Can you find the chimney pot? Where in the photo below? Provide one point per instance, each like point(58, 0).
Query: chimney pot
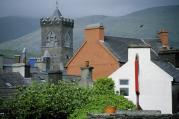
point(17, 58)
point(163, 36)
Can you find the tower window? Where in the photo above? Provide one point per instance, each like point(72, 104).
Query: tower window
point(67, 40)
point(51, 40)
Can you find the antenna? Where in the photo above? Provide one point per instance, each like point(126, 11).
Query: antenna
point(56, 4)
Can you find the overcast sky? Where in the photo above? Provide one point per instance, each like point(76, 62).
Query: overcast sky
point(77, 8)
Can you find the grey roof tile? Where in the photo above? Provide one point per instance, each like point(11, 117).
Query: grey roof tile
point(119, 47)
point(12, 78)
point(169, 68)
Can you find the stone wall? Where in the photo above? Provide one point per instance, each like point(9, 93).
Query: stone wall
point(57, 38)
point(134, 115)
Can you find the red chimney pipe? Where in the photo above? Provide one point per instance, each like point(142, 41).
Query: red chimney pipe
point(137, 81)
point(137, 74)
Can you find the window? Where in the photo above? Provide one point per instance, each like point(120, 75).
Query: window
point(124, 91)
point(124, 87)
point(124, 82)
point(67, 39)
point(51, 40)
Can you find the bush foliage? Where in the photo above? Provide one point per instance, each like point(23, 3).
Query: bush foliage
point(44, 100)
point(102, 95)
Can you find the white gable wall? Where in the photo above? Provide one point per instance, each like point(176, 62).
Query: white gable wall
point(154, 83)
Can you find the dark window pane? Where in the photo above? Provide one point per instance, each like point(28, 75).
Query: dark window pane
point(124, 82)
point(124, 91)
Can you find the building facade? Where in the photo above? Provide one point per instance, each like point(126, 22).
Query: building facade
point(57, 39)
point(95, 52)
point(154, 83)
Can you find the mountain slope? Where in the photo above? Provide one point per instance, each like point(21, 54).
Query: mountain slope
point(152, 20)
point(13, 27)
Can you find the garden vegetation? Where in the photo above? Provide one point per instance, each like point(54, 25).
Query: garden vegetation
point(48, 101)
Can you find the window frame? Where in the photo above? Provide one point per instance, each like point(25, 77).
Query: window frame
point(124, 89)
point(124, 86)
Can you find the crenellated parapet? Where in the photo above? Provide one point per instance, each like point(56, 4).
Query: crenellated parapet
point(47, 21)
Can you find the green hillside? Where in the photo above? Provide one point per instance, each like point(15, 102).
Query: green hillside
point(152, 20)
point(12, 27)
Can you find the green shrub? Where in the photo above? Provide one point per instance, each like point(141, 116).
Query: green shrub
point(44, 100)
point(103, 86)
point(102, 95)
point(47, 100)
point(98, 103)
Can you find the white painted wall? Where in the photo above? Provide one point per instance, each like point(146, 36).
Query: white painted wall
point(154, 83)
point(19, 67)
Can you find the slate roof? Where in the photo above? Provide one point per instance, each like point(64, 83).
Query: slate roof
point(119, 47)
point(7, 60)
point(11, 79)
point(57, 13)
point(169, 68)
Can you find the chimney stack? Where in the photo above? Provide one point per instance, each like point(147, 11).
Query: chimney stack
point(86, 75)
point(17, 58)
point(46, 61)
point(55, 76)
point(94, 32)
point(163, 36)
point(23, 56)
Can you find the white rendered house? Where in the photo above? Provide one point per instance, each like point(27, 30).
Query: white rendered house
point(155, 85)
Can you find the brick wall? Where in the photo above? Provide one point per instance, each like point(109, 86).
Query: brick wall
point(93, 51)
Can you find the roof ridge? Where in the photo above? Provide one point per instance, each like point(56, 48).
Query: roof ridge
point(109, 51)
point(74, 54)
point(150, 48)
point(122, 37)
point(57, 13)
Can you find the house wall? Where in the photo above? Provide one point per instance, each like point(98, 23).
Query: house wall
point(19, 67)
point(154, 83)
point(98, 58)
point(175, 96)
point(41, 65)
point(92, 50)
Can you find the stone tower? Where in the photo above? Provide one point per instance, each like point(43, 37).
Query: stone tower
point(57, 38)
